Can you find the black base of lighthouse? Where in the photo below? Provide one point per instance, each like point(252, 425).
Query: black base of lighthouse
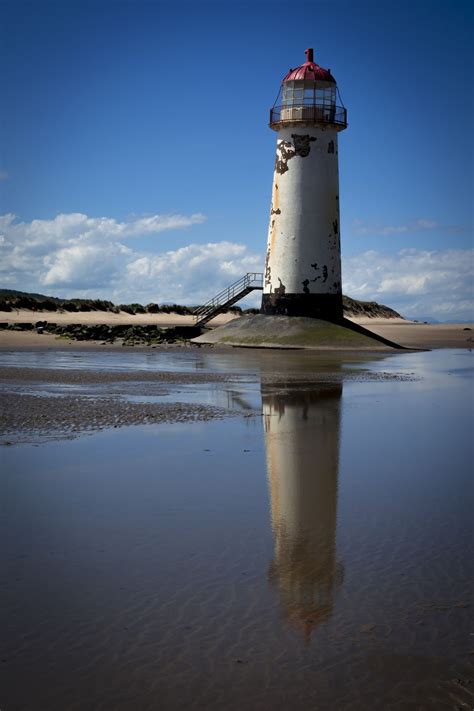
point(324, 306)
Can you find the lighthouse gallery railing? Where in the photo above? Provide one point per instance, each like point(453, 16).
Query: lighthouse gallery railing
point(308, 113)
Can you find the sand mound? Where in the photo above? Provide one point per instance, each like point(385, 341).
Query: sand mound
point(293, 332)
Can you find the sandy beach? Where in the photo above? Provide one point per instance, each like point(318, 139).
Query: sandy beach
point(90, 318)
point(422, 335)
point(407, 333)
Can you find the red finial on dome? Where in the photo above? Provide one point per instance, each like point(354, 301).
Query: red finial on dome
point(310, 71)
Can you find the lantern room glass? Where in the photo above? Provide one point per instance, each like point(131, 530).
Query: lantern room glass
point(309, 93)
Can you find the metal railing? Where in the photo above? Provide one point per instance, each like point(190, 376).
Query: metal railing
point(308, 113)
point(228, 296)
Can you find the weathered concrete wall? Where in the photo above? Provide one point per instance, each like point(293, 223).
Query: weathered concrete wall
point(303, 252)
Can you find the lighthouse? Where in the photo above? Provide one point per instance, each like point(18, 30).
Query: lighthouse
point(303, 265)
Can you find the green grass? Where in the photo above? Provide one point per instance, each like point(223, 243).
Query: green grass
point(329, 335)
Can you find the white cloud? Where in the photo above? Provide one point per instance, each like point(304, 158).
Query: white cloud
point(84, 265)
point(194, 273)
point(362, 228)
point(72, 249)
point(76, 255)
point(41, 235)
point(414, 282)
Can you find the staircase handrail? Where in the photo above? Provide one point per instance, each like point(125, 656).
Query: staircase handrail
point(229, 292)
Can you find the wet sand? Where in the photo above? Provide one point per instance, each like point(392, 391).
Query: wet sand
point(296, 535)
point(42, 401)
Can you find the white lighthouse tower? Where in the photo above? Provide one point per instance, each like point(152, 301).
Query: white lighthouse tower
point(303, 266)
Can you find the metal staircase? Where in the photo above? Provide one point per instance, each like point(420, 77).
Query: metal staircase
point(228, 297)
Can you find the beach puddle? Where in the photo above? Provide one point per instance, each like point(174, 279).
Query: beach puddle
point(314, 555)
point(244, 398)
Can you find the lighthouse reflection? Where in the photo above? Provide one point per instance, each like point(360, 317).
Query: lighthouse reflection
point(302, 446)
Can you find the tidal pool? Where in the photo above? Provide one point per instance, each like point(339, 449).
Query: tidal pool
point(315, 552)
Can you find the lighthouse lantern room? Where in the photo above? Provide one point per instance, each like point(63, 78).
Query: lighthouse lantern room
point(303, 265)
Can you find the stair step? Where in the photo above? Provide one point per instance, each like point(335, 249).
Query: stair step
point(227, 297)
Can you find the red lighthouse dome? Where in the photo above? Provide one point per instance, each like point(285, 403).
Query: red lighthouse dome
point(308, 96)
point(309, 71)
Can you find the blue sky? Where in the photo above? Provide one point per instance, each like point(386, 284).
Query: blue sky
point(137, 159)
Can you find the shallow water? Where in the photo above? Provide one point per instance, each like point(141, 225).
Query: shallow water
point(316, 556)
